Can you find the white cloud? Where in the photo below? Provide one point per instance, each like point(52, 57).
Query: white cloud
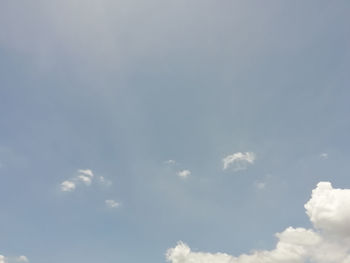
point(239, 160)
point(112, 203)
point(324, 155)
point(329, 209)
point(68, 186)
point(86, 172)
point(184, 173)
point(4, 259)
point(85, 179)
point(329, 241)
point(83, 176)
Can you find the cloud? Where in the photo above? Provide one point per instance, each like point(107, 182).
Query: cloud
point(239, 160)
point(4, 259)
point(170, 162)
point(324, 155)
point(184, 173)
point(85, 179)
point(104, 181)
point(329, 209)
point(68, 186)
point(112, 203)
point(263, 183)
point(328, 242)
point(86, 172)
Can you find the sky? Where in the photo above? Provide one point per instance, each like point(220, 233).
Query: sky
point(174, 131)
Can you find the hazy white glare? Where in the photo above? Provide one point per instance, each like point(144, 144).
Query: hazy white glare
point(117, 34)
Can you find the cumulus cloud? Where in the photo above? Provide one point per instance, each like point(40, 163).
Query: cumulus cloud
point(112, 203)
point(83, 177)
point(184, 173)
point(68, 186)
point(329, 209)
point(239, 161)
point(328, 242)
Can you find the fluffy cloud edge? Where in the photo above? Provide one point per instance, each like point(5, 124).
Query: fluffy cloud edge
point(68, 186)
point(86, 172)
point(327, 242)
point(238, 160)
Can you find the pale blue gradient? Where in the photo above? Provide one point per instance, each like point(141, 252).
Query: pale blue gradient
point(120, 87)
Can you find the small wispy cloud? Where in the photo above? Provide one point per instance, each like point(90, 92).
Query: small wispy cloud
point(324, 156)
point(104, 181)
point(260, 185)
point(170, 162)
point(238, 161)
point(112, 203)
point(67, 186)
point(184, 173)
point(263, 183)
point(86, 172)
point(83, 177)
point(22, 259)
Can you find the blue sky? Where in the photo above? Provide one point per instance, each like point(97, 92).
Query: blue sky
point(120, 87)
